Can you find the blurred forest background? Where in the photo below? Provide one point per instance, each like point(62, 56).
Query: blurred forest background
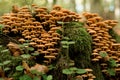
point(108, 9)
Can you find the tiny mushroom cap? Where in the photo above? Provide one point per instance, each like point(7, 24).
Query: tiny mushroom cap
point(55, 34)
point(53, 12)
point(40, 46)
point(54, 54)
point(95, 60)
point(34, 39)
point(6, 31)
point(32, 44)
point(89, 70)
point(95, 54)
point(79, 77)
point(114, 57)
point(93, 76)
point(99, 57)
point(51, 50)
point(84, 75)
point(49, 57)
point(103, 64)
point(45, 61)
point(54, 43)
point(49, 45)
point(117, 69)
point(44, 52)
point(96, 39)
point(56, 38)
point(21, 40)
point(90, 74)
point(90, 79)
point(28, 37)
point(14, 30)
point(56, 6)
point(104, 70)
point(92, 32)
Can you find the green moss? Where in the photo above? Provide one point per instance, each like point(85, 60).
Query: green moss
point(114, 35)
point(81, 50)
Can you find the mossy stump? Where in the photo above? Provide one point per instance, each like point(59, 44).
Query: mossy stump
point(80, 52)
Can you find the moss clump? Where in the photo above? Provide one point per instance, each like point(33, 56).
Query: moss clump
point(81, 50)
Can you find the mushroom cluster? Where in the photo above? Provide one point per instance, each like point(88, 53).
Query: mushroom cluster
point(39, 27)
point(102, 40)
point(87, 76)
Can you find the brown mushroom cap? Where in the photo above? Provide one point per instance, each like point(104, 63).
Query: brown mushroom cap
point(90, 79)
point(84, 75)
point(95, 60)
point(51, 50)
point(79, 77)
point(104, 71)
point(49, 57)
point(6, 31)
point(32, 44)
point(44, 52)
point(95, 54)
point(89, 70)
point(21, 40)
point(103, 64)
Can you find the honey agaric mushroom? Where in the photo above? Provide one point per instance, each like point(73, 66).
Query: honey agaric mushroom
point(49, 57)
point(104, 71)
point(14, 30)
point(34, 39)
point(84, 75)
point(21, 40)
point(51, 50)
point(92, 32)
point(103, 65)
point(90, 79)
point(56, 39)
point(90, 75)
point(49, 45)
point(117, 69)
point(40, 46)
point(54, 54)
point(55, 34)
point(28, 37)
point(27, 25)
point(39, 41)
point(44, 52)
point(95, 54)
point(95, 60)
point(89, 70)
point(32, 44)
point(56, 7)
point(79, 77)
point(45, 61)
point(99, 57)
point(6, 31)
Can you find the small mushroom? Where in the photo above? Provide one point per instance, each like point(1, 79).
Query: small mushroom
point(49, 57)
point(21, 40)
